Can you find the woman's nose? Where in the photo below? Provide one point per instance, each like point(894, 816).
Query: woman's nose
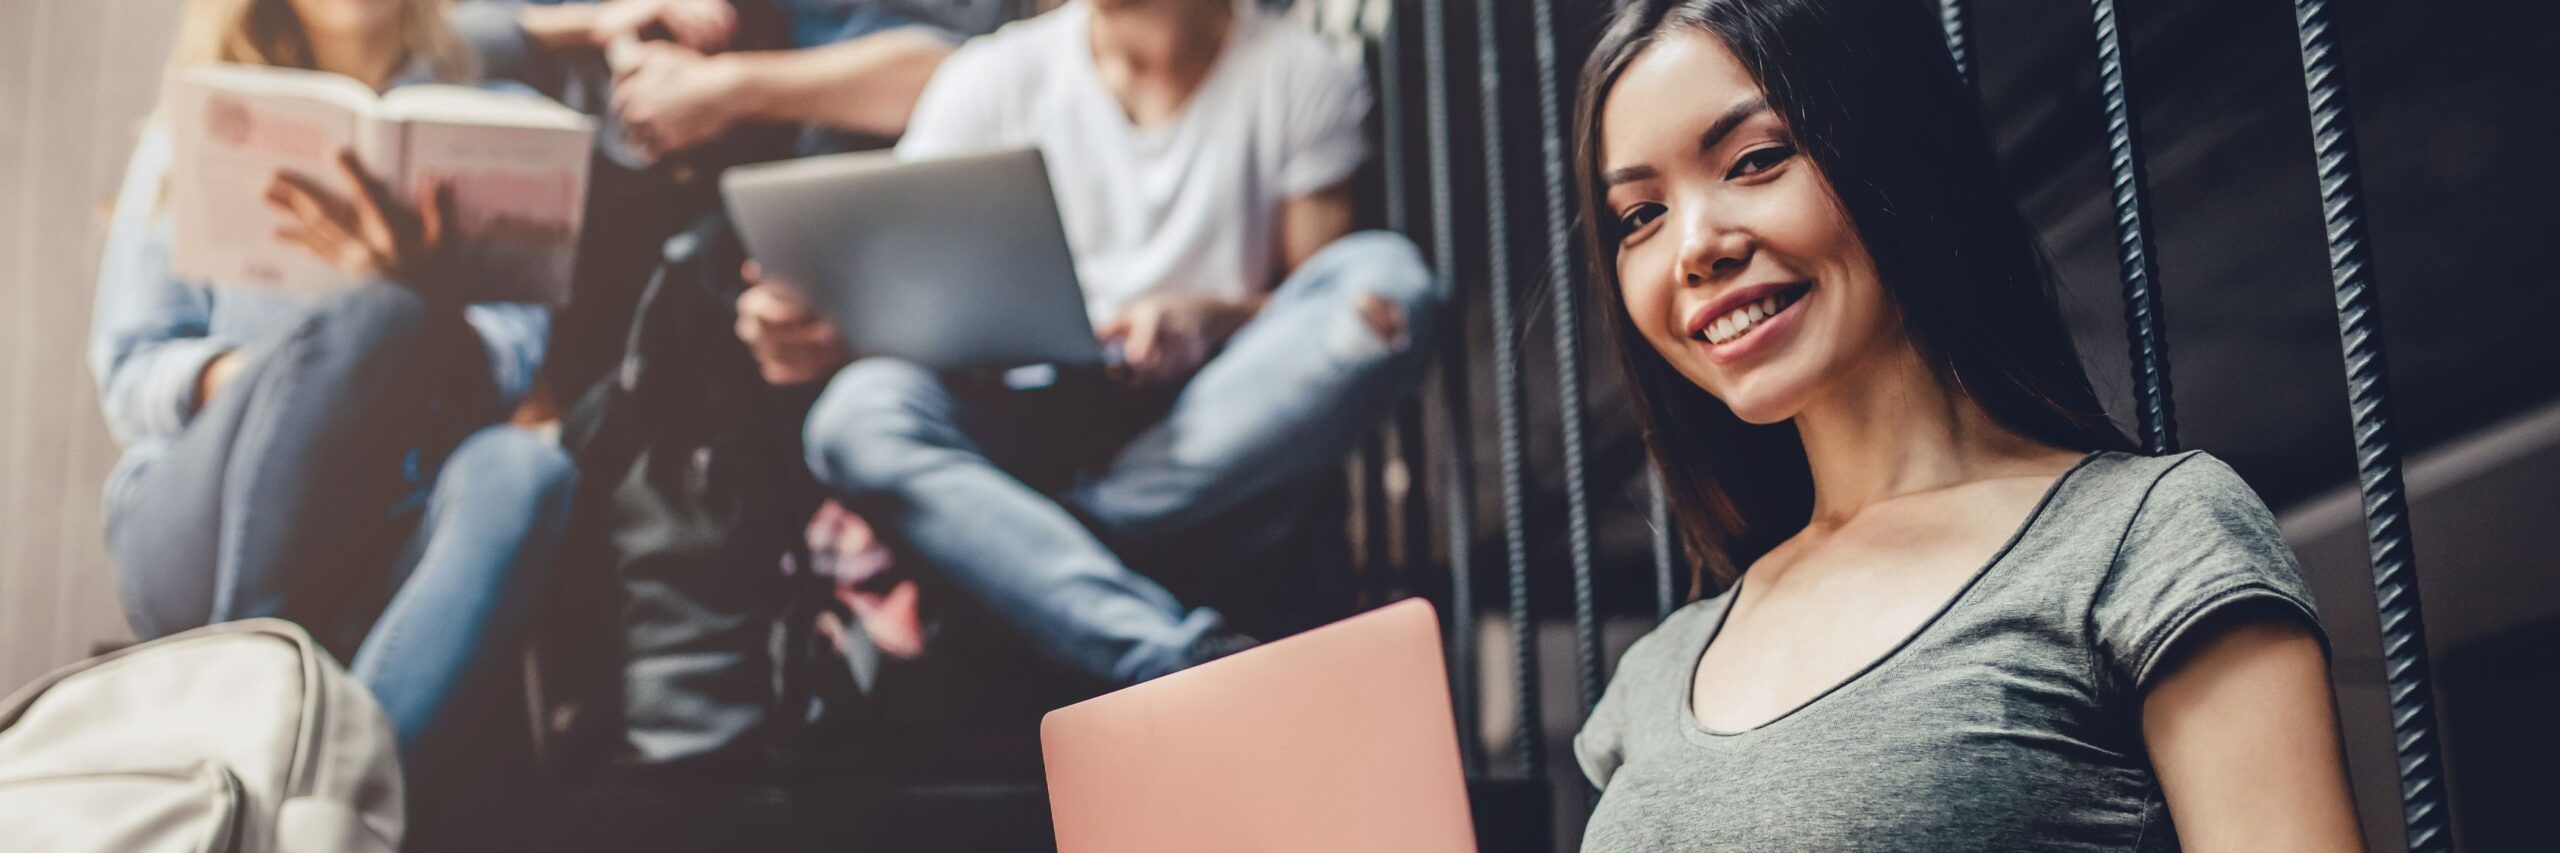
point(1712, 250)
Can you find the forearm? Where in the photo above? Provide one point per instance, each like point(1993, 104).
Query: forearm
point(1310, 222)
point(563, 27)
point(868, 85)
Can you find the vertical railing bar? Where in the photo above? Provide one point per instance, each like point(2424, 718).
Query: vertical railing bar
point(2386, 506)
point(1399, 215)
point(1658, 517)
point(2145, 324)
point(1458, 493)
point(1405, 429)
point(1506, 393)
point(1568, 346)
point(1367, 514)
point(1410, 456)
point(1951, 19)
point(1391, 129)
point(1395, 493)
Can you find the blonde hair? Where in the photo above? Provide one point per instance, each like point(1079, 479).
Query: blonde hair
point(268, 32)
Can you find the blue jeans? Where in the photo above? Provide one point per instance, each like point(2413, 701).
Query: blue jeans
point(351, 470)
point(942, 468)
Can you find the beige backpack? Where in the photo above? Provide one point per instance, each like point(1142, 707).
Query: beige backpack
point(243, 736)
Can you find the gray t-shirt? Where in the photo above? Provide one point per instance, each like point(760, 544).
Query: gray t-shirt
point(2011, 720)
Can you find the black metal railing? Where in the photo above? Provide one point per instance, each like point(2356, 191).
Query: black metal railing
point(1531, 733)
point(1455, 445)
point(2146, 330)
point(1448, 404)
point(2386, 503)
point(1567, 325)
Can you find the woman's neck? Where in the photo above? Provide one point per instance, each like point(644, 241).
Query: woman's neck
point(1178, 39)
point(373, 58)
point(1895, 429)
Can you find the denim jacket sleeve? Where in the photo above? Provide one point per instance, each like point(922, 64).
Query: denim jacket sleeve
point(150, 334)
point(516, 336)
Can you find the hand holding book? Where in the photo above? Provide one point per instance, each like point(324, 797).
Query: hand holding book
point(364, 231)
point(508, 170)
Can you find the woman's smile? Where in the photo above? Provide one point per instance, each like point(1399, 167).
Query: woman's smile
point(1747, 321)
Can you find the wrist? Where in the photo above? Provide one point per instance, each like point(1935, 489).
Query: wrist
point(732, 77)
point(215, 373)
point(1243, 309)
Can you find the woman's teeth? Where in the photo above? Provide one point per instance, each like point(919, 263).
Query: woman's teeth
point(1733, 325)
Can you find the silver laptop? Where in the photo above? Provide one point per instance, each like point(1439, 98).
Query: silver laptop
point(952, 262)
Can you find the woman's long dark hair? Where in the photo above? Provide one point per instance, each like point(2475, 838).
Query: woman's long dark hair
point(1871, 95)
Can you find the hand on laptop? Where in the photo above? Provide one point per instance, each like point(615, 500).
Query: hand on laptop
point(1166, 336)
point(791, 343)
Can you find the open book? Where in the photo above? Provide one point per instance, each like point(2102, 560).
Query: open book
point(517, 165)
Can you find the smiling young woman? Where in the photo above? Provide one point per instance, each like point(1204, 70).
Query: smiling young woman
point(1957, 612)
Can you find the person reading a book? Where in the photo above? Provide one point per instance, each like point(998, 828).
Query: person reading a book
point(338, 459)
point(1201, 153)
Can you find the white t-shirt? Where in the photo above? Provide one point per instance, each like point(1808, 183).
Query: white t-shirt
point(1192, 203)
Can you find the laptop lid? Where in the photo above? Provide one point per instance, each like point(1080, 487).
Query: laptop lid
point(1338, 739)
point(948, 262)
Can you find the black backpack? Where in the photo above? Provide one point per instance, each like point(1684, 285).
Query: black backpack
point(691, 493)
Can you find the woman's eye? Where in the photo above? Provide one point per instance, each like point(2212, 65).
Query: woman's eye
point(1760, 160)
point(1636, 218)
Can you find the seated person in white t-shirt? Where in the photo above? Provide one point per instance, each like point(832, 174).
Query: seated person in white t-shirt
point(1201, 152)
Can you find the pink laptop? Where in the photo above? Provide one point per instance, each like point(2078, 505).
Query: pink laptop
point(1339, 739)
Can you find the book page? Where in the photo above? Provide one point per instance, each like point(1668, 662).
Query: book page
point(230, 134)
point(518, 203)
point(447, 104)
point(517, 165)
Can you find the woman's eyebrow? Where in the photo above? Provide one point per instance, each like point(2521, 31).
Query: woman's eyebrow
point(1733, 117)
point(1627, 174)
point(1723, 126)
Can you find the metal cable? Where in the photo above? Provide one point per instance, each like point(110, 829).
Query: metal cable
point(1365, 516)
point(1506, 395)
point(1658, 512)
point(1568, 345)
point(1391, 121)
point(1456, 451)
point(1951, 19)
point(1415, 511)
point(2144, 323)
point(1391, 141)
point(2386, 506)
